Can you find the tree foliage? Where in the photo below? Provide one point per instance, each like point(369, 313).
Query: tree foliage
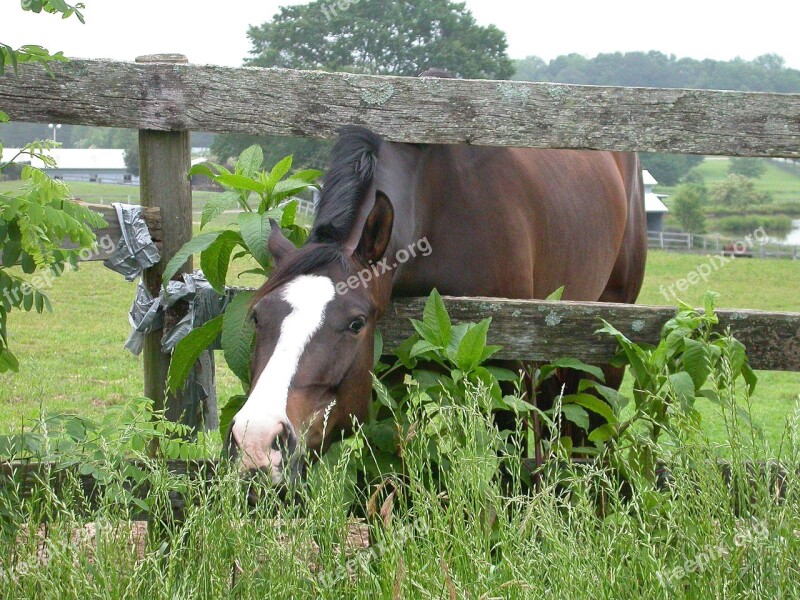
point(737, 192)
point(766, 73)
point(748, 167)
point(687, 207)
point(375, 37)
point(382, 37)
point(669, 169)
point(36, 218)
point(10, 57)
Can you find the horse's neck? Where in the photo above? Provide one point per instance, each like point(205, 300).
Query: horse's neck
point(397, 178)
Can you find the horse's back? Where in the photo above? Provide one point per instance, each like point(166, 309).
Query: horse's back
point(520, 223)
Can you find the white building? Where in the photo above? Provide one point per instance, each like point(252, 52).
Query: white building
point(653, 205)
point(93, 164)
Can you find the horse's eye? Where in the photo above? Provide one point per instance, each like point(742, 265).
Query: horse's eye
point(357, 325)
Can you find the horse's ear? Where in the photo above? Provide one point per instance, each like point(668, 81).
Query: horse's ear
point(377, 230)
point(279, 247)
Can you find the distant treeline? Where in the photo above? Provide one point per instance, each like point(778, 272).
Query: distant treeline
point(766, 73)
point(18, 134)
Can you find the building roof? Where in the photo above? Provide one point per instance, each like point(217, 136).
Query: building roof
point(653, 204)
point(78, 159)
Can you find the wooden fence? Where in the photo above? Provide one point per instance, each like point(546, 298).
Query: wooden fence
point(165, 98)
point(715, 244)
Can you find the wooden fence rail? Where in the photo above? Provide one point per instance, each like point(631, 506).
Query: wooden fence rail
point(538, 330)
point(161, 95)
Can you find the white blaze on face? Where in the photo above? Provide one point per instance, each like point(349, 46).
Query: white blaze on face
point(256, 424)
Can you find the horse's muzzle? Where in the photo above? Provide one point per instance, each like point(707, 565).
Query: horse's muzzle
point(264, 446)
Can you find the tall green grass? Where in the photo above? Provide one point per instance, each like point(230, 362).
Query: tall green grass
point(430, 533)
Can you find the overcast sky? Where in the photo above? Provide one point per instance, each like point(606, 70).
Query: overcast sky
point(215, 32)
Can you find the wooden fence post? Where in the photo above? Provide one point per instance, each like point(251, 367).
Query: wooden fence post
point(164, 163)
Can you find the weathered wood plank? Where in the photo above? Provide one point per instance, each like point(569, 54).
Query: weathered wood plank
point(315, 104)
point(164, 163)
point(536, 330)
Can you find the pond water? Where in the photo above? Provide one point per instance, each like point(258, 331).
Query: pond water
point(793, 237)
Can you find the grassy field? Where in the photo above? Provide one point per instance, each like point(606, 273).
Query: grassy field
point(782, 183)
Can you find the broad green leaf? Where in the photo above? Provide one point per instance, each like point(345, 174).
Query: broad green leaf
point(240, 182)
point(436, 319)
point(737, 356)
point(218, 205)
point(255, 230)
point(421, 347)
point(696, 362)
point(307, 175)
point(750, 378)
point(574, 363)
point(602, 434)
point(237, 336)
point(593, 403)
point(277, 173)
point(288, 187)
point(228, 412)
point(197, 244)
point(682, 386)
point(289, 213)
point(202, 169)
point(250, 160)
point(576, 414)
point(189, 349)
point(215, 259)
point(556, 295)
point(8, 362)
point(472, 345)
point(502, 374)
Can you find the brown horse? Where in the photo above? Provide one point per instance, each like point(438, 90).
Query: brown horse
point(400, 219)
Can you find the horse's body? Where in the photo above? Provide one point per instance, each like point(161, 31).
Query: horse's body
point(514, 223)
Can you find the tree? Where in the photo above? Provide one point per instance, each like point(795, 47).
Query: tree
point(668, 169)
point(309, 153)
point(748, 167)
point(687, 207)
point(38, 216)
point(738, 191)
point(387, 37)
point(131, 158)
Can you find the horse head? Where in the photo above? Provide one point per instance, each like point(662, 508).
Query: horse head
point(315, 320)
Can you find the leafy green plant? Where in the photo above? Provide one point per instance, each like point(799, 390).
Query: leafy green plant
point(31, 53)
point(36, 219)
point(264, 196)
point(34, 222)
point(692, 360)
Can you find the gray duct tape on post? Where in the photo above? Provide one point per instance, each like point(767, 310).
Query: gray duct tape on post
point(135, 250)
point(147, 314)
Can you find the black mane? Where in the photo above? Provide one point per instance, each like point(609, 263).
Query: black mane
point(352, 168)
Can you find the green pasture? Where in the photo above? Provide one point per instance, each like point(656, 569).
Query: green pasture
point(782, 181)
